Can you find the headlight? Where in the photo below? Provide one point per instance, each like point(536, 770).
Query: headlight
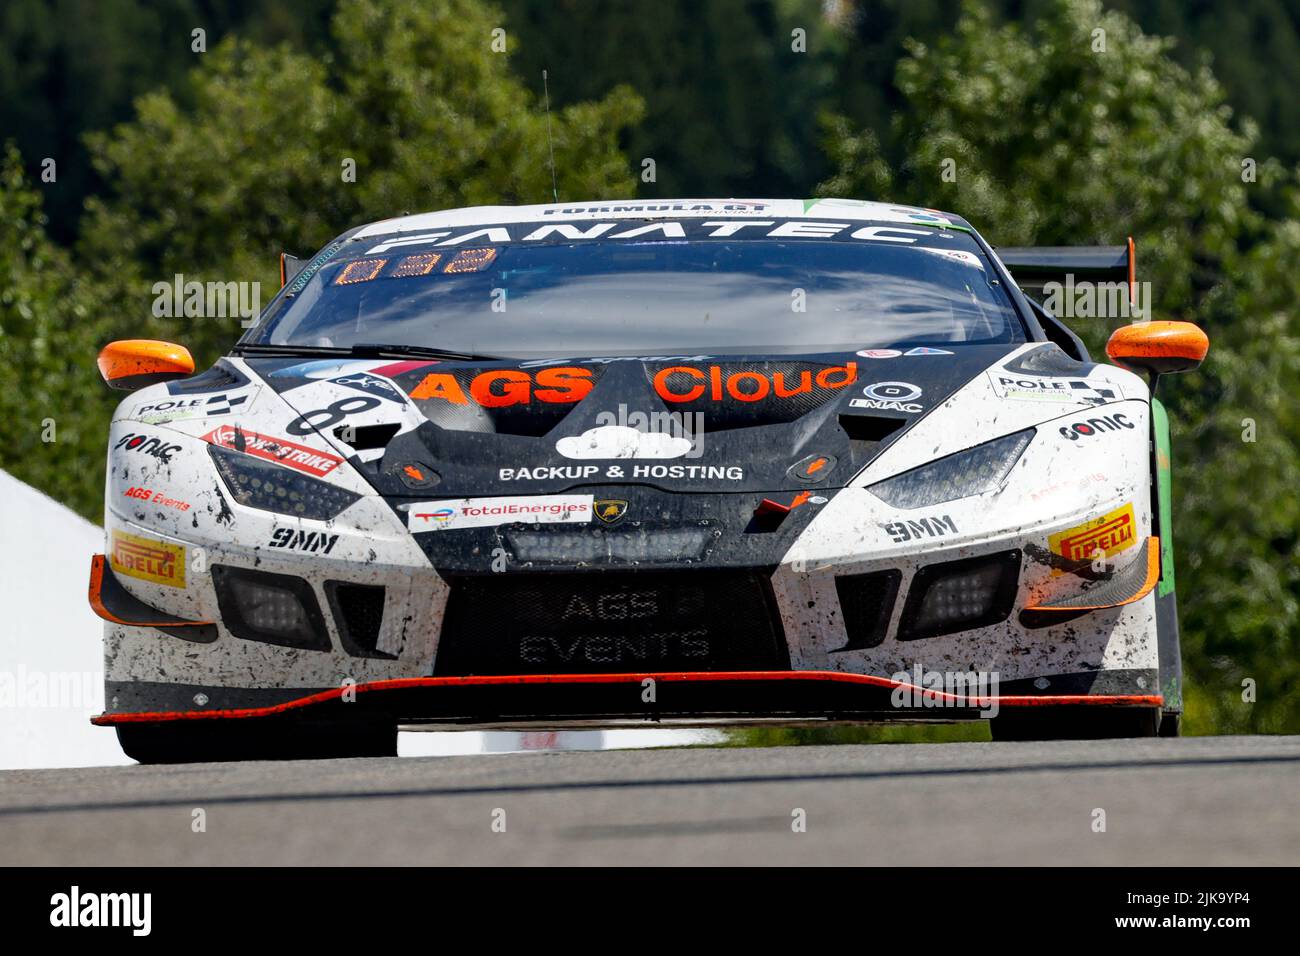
point(972, 472)
point(270, 487)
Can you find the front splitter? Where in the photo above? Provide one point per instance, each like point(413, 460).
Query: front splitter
point(560, 698)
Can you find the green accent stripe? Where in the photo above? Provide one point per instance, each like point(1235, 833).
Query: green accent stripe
point(1164, 496)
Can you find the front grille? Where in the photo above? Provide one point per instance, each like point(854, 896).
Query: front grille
point(866, 602)
point(358, 615)
point(605, 622)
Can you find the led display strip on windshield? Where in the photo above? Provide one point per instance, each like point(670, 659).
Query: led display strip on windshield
point(471, 260)
point(359, 270)
point(419, 264)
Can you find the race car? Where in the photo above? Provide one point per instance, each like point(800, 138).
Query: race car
point(629, 462)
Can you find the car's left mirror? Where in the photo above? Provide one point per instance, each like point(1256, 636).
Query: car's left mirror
point(134, 363)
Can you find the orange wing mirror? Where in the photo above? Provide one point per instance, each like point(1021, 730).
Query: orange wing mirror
point(134, 363)
point(1158, 348)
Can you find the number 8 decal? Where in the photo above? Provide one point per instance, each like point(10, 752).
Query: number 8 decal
point(307, 423)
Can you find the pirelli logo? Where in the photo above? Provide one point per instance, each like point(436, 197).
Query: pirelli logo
point(1108, 535)
point(148, 560)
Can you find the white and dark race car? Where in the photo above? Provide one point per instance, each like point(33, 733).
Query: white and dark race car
point(592, 464)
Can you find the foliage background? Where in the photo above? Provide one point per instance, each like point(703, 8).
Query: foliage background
point(210, 163)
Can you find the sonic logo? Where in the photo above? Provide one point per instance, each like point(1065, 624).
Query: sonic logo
point(148, 446)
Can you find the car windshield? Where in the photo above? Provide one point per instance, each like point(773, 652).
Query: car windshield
point(492, 294)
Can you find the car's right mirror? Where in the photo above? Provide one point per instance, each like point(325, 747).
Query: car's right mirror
point(1158, 348)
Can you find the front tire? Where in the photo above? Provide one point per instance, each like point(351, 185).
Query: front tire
point(1084, 723)
point(194, 741)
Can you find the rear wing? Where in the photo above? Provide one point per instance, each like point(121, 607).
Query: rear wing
point(1035, 266)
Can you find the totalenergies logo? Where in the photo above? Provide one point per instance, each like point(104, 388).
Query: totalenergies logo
point(685, 383)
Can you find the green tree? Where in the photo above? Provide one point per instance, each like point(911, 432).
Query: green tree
point(1059, 141)
point(53, 408)
point(730, 106)
point(415, 97)
point(731, 89)
point(248, 161)
point(71, 66)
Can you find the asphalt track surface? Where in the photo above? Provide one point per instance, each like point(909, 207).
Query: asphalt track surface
point(1212, 800)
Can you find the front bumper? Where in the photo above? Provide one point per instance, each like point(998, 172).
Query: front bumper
point(384, 613)
point(555, 660)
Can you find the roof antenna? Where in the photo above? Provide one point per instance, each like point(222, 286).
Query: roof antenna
point(546, 92)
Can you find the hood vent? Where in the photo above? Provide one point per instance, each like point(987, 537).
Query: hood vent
point(1049, 359)
point(366, 437)
point(221, 376)
point(870, 428)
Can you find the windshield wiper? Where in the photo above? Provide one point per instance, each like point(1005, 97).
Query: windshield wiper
point(365, 350)
point(257, 348)
point(368, 349)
